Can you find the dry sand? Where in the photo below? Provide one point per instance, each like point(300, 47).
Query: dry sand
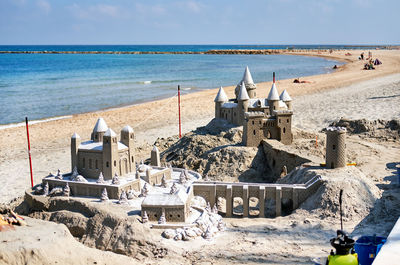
point(50, 140)
point(350, 92)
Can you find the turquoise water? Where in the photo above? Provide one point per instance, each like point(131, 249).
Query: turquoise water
point(47, 85)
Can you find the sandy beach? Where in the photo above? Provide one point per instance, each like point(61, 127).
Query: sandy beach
point(349, 92)
point(316, 103)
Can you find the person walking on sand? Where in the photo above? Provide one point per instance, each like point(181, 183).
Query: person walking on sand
point(362, 56)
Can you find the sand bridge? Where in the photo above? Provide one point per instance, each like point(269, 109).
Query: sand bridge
point(289, 194)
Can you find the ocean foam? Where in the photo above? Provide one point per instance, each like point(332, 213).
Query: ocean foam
point(13, 125)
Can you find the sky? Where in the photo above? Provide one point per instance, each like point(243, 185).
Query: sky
point(35, 22)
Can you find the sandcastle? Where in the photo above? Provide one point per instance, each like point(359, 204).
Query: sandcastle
point(262, 118)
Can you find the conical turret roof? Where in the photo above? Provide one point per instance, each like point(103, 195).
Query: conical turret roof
point(285, 96)
point(127, 129)
point(221, 96)
point(101, 126)
point(273, 93)
point(247, 78)
point(110, 132)
point(243, 92)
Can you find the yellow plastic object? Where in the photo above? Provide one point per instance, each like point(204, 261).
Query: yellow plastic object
point(349, 259)
point(352, 164)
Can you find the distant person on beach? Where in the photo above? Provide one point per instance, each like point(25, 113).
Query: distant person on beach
point(297, 81)
point(362, 56)
point(334, 67)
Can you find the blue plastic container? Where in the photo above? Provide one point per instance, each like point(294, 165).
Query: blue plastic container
point(367, 247)
point(398, 175)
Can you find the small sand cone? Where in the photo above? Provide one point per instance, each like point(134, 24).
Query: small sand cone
point(162, 219)
point(66, 190)
point(115, 180)
point(221, 225)
point(182, 178)
point(187, 175)
point(145, 218)
point(163, 181)
point(46, 189)
point(75, 172)
point(137, 175)
point(173, 189)
point(206, 178)
point(59, 176)
point(215, 209)
point(144, 191)
point(208, 235)
point(208, 208)
point(100, 180)
point(284, 171)
point(123, 199)
point(130, 195)
point(104, 195)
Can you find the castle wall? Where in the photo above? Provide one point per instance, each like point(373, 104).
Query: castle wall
point(90, 163)
point(155, 178)
point(252, 131)
point(94, 189)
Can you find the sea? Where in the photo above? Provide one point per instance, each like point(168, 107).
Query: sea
point(42, 86)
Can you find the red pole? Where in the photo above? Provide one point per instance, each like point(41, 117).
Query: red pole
point(29, 150)
point(273, 77)
point(179, 109)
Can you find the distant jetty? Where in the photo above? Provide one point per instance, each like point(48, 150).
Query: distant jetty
point(226, 51)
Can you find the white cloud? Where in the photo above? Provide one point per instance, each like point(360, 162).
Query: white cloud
point(44, 5)
point(98, 11)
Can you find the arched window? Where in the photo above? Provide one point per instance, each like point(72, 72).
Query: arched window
point(107, 164)
point(284, 129)
point(90, 163)
point(115, 163)
point(97, 164)
point(254, 132)
point(333, 147)
point(83, 162)
point(132, 159)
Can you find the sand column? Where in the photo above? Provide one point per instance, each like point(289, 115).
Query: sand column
point(335, 147)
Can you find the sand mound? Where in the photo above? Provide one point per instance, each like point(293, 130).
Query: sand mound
point(98, 225)
point(375, 129)
point(32, 244)
point(216, 150)
point(359, 192)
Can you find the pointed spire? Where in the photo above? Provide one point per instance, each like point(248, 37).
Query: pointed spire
point(173, 189)
point(75, 136)
point(247, 78)
point(123, 199)
point(66, 190)
point(110, 132)
point(115, 180)
point(273, 93)
point(145, 218)
point(100, 180)
point(163, 181)
point(221, 96)
point(285, 96)
point(101, 126)
point(243, 92)
point(104, 195)
point(162, 219)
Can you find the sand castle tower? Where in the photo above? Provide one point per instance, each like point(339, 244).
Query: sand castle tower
point(110, 154)
point(155, 157)
point(99, 130)
point(128, 139)
point(75, 142)
point(219, 100)
point(248, 82)
point(285, 97)
point(243, 103)
point(335, 147)
point(273, 97)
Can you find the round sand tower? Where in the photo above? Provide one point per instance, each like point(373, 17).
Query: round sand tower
point(335, 147)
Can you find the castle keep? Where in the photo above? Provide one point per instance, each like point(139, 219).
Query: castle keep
point(104, 153)
point(262, 118)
